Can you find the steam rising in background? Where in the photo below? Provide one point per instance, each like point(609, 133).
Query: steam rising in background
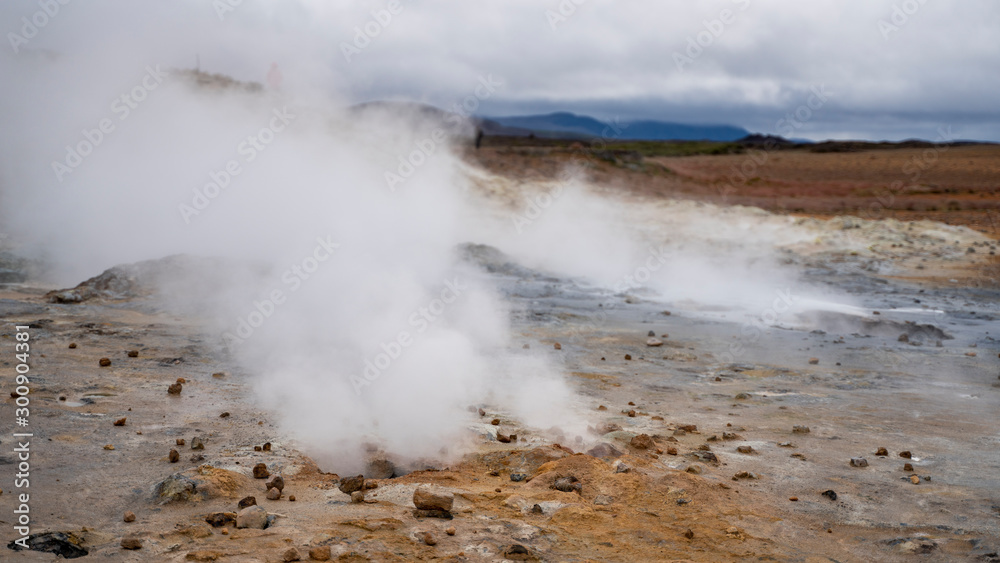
point(387, 256)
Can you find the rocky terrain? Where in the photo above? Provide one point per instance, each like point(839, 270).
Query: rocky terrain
point(832, 432)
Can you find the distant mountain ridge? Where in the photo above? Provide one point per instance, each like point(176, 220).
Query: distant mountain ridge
point(641, 130)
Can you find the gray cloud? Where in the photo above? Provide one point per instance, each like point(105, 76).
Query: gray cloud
point(936, 68)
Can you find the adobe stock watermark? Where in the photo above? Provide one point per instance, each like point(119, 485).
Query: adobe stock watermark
point(704, 39)
point(122, 107)
point(249, 148)
point(292, 278)
point(784, 127)
point(751, 331)
point(565, 10)
point(423, 149)
point(899, 17)
point(420, 320)
point(366, 33)
point(32, 25)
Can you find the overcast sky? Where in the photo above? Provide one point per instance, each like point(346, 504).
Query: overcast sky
point(889, 69)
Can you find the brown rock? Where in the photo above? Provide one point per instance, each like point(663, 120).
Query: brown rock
point(203, 555)
point(246, 501)
point(179, 441)
point(429, 539)
point(628, 356)
point(800, 429)
point(260, 471)
point(120, 422)
point(482, 412)
point(175, 389)
point(813, 361)
point(131, 543)
point(906, 454)
point(291, 498)
point(503, 438)
point(907, 467)
point(450, 531)
point(266, 447)
point(174, 456)
point(350, 484)
point(291, 554)
point(745, 450)
point(882, 451)
point(275, 482)
point(72, 345)
point(495, 422)
point(631, 414)
point(568, 484)
point(557, 346)
point(642, 442)
point(357, 497)
point(688, 427)
point(672, 451)
point(273, 494)
point(689, 534)
point(104, 362)
point(604, 449)
point(181, 380)
point(914, 479)
point(253, 517)
point(197, 443)
point(859, 462)
point(321, 553)
point(426, 499)
point(129, 516)
point(218, 519)
point(133, 353)
point(224, 415)
point(517, 552)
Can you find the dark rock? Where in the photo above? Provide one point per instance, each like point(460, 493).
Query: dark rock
point(907, 467)
point(705, 457)
point(443, 514)
point(260, 471)
point(518, 477)
point(131, 543)
point(429, 539)
point(350, 484)
point(568, 484)
point(129, 516)
point(628, 356)
point(517, 552)
point(291, 554)
point(174, 456)
point(246, 501)
point(829, 494)
point(859, 462)
point(906, 454)
point(104, 362)
point(604, 450)
point(882, 452)
point(120, 422)
point(220, 519)
point(642, 442)
point(132, 353)
point(176, 487)
point(197, 443)
point(275, 482)
point(266, 447)
point(358, 497)
point(63, 544)
point(745, 450)
point(536, 509)
point(175, 389)
point(800, 429)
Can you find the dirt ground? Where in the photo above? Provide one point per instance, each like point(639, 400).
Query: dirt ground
point(701, 456)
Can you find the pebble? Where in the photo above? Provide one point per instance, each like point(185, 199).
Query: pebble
point(621, 467)
point(321, 553)
point(131, 543)
point(650, 333)
point(672, 451)
point(631, 413)
point(266, 447)
point(906, 454)
point(72, 345)
point(252, 517)
point(830, 494)
point(628, 356)
point(291, 554)
point(744, 475)
point(426, 499)
point(357, 497)
point(217, 519)
point(742, 396)
point(120, 422)
point(914, 479)
point(654, 342)
point(260, 471)
point(689, 533)
point(133, 353)
point(197, 443)
point(518, 477)
point(793, 499)
point(557, 346)
point(246, 501)
point(224, 415)
point(859, 462)
point(109, 447)
point(482, 412)
point(537, 509)
point(429, 539)
point(175, 389)
point(196, 458)
point(291, 498)
point(695, 469)
point(572, 484)
point(505, 439)
point(104, 362)
point(129, 516)
point(517, 552)
point(174, 456)
point(274, 494)
point(800, 429)
point(179, 441)
point(882, 452)
point(813, 361)
point(907, 467)
point(450, 531)
point(495, 422)
point(745, 450)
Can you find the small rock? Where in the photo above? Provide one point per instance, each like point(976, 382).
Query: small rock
point(569, 484)
point(642, 442)
point(450, 531)
point(689, 534)
point(195, 458)
point(224, 415)
point(800, 429)
point(253, 517)
point(266, 447)
point(369, 484)
point(732, 436)
point(882, 452)
point(621, 467)
point(426, 499)
point(813, 361)
point(273, 494)
point(793, 499)
point(859, 462)
point(429, 539)
point(109, 446)
point(219, 374)
point(695, 469)
point(197, 443)
point(291, 554)
point(260, 471)
point(517, 552)
point(536, 509)
point(557, 346)
point(650, 333)
point(247, 501)
point(742, 396)
point(131, 543)
point(291, 498)
point(503, 438)
point(129, 516)
point(120, 422)
point(72, 345)
point(628, 356)
point(907, 467)
point(275, 482)
point(219, 519)
point(104, 362)
point(903, 337)
point(321, 553)
point(350, 484)
point(914, 479)
point(357, 497)
point(175, 389)
point(745, 450)
point(688, 427)
point(495, 422)
point(631, 413)
point(744, 475)
point(906, 454)
point(179, 441)
point(603, 450)
point(654, 342)
point(518, 477)
point(671, 451)
point(174, 456)
point(829, 494)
